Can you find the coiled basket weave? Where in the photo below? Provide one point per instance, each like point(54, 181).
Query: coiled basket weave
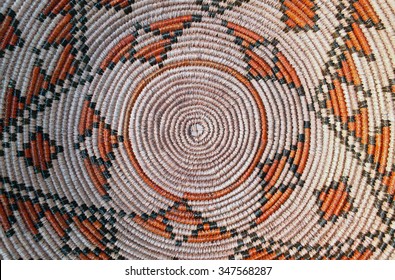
point(197, 129)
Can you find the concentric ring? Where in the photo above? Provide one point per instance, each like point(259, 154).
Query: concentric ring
point(170, 170)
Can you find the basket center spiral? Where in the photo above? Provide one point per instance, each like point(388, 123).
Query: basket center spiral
point(193, 139)
point(196, 130)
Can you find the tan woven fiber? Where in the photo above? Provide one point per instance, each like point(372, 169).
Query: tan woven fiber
point(197, 129)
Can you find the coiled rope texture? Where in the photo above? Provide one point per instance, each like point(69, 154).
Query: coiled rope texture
point(208, 129)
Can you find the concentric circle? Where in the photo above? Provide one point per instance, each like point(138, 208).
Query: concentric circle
point(158, 145)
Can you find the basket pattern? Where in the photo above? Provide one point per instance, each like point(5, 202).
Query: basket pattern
point(197, 129)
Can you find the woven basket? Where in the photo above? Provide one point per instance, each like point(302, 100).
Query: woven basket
point(197, 129)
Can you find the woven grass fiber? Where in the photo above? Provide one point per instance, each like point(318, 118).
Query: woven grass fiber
point(197, 129)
